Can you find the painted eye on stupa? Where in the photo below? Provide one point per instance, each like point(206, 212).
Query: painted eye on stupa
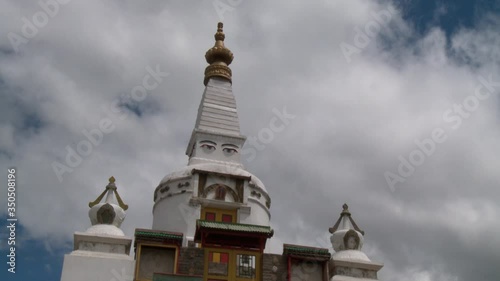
point(229, 150)
point(207, 146)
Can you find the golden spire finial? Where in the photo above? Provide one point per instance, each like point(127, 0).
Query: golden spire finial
point(112, 179)
point(219, 57)
point(220, 36)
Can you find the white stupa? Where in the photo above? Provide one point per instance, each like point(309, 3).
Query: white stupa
point(349, 263)
point(102, 251)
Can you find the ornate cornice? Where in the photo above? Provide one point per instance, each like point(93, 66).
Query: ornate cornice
point(218, 70)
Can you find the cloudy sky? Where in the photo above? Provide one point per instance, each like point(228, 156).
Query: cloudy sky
point(395, 104)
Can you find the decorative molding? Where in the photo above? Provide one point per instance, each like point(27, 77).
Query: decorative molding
point(170, 195)
point(355, 272)
point(162, 189)
point(252, 184)
point(218, 186)
point(357, 264)
point(80, 237)
point(211, 203)
point(255, 194)
point(250, 199)
point(222, 174)
point(217, 70)
point(194, 203)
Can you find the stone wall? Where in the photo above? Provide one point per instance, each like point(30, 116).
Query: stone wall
point(191, 261)
point(274, 267)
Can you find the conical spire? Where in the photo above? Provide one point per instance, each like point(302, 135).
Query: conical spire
point(217, 121)
point(219, 57)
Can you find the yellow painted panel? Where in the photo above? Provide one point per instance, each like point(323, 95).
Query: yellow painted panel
point(215, 257)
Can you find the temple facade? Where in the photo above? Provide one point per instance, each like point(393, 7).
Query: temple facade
point(211, 218)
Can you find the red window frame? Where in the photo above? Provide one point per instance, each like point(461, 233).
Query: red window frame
point(227, 218)
point(210, 216)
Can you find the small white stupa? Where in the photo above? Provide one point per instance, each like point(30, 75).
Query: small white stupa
point(349, 263)
point(102, 251)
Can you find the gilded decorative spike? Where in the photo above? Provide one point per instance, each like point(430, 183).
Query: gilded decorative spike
point(95, 202)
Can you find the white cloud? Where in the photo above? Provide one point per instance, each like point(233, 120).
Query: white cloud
point(353, 121)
